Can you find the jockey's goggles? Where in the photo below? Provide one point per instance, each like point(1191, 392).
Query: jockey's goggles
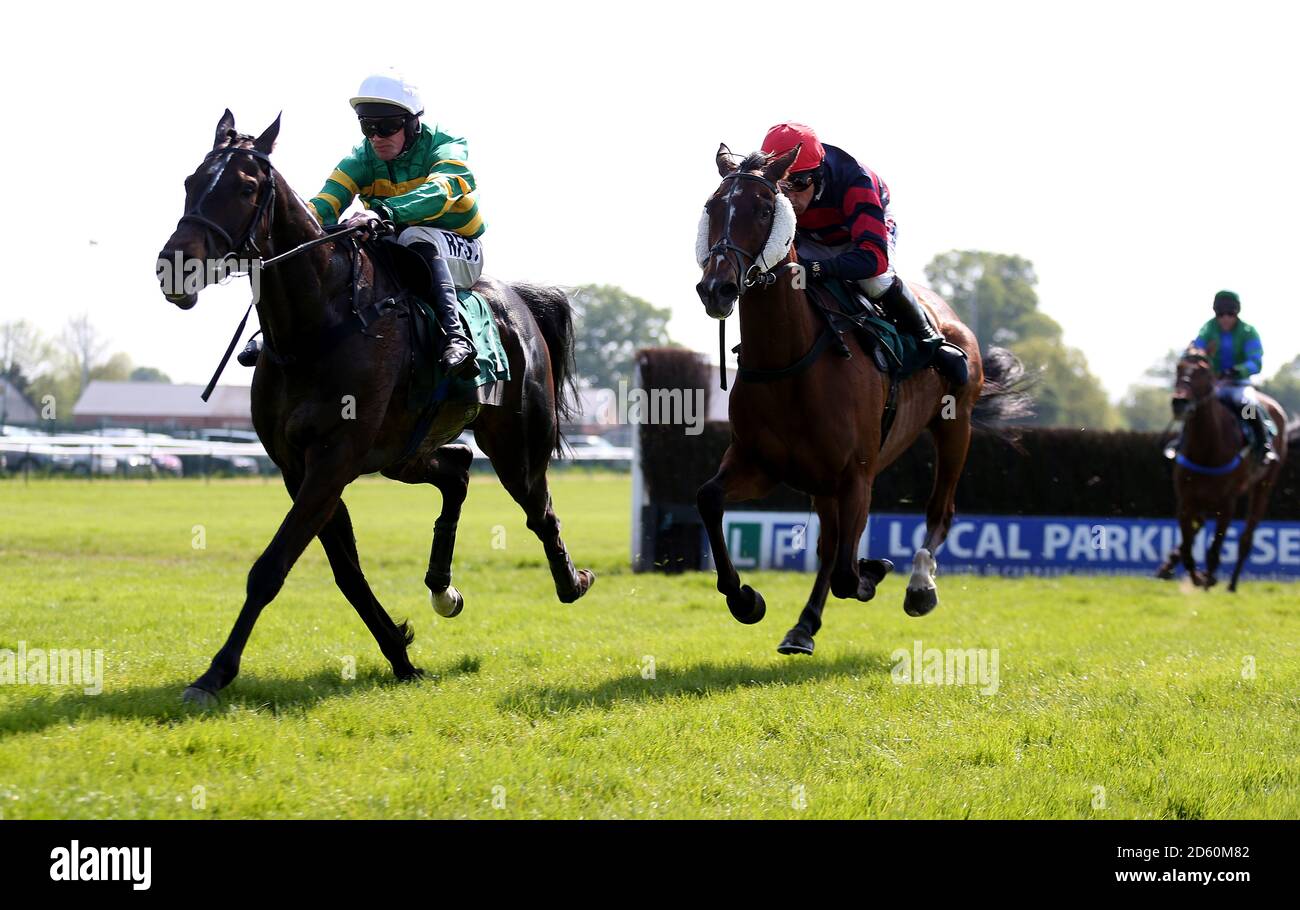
point(382, 127)
point(799, 182)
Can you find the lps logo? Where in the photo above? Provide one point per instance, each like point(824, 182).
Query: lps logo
point(103, 864)
point(789, 547)
point(745, 542)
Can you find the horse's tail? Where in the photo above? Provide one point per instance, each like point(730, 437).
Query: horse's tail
point(554, 316)
point(1005, 397)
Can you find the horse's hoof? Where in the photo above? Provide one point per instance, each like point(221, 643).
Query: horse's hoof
point(448, 602)
point(871, 572)
point(410, 674)
point(1232, 587)
point(200, 698)
point(1164, 574)
point(919, 601)
point(795, 642)
point(584, 579)
point(748, 606)
point(1210, 581)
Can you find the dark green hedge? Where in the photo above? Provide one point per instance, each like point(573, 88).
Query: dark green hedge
point(1056, 472)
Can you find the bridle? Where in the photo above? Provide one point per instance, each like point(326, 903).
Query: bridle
point(757, 269)
point(1184, 378)
point(756, 272)
point(248, 242)
point(265, 204)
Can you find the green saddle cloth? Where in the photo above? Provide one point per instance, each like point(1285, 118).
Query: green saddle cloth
point(493, 364)
point(903, 354)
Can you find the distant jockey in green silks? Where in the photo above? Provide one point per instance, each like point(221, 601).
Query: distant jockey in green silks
point(1235, 350)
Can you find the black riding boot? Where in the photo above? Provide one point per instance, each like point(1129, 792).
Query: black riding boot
point(458, 357)
point(1263, 444)
point(248, 356)
point(901, 305)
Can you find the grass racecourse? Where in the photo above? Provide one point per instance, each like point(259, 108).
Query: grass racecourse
point(1115, 698)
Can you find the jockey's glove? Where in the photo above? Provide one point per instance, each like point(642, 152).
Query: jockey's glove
point(815, 268)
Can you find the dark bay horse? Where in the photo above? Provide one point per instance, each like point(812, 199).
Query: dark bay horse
point(1211, 474)
point(816, 425)
point(237, 204)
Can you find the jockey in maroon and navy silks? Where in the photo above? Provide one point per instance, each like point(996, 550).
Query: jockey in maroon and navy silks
point(844, 232)
point(849, 207)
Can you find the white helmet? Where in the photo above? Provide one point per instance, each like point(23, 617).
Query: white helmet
point(389, 88)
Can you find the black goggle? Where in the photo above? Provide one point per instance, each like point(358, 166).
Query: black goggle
point(382, 127)
point(799, 182)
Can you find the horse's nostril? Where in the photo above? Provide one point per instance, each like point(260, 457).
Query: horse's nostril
point(728, 290)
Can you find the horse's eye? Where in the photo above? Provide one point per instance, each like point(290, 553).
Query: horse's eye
point(248, 190)
point(765, 214)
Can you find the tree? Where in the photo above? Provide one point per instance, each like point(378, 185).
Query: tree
point(74, 361)
point(23, 352)
point(1067, 394)
point(83, 345)
point(116, 369)
point(612, 325)
point(1285, 387)
point(994, 294)
point(1145, 406)
point(149, 374)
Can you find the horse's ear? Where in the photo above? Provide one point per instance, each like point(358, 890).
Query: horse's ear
point(265, 142)
point(225, 126)
point(779, 167)
point(727, 163)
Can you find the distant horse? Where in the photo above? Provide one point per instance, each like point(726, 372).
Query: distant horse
point(319, 351)
point(814, 422)
point(1211, 473)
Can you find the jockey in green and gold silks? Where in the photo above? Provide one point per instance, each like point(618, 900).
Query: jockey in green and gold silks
point(429, 183)
point(417, 177)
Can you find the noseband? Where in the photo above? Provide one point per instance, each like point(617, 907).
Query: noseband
point(264, 205)
point(757, 271)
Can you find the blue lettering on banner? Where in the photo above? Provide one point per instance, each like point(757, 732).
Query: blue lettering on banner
point(1013, 545)
point(789, 545)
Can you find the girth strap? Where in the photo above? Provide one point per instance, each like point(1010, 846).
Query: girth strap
point(751, 374)
point(330, 338)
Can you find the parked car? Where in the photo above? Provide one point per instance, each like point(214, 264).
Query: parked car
point(227, 464)
point(167, 463)
point(84, 464)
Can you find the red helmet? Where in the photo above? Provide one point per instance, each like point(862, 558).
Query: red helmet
point(785, 136)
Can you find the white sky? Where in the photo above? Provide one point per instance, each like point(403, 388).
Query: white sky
point(1142, 154)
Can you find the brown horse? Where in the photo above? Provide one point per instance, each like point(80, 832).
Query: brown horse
point(814, 422)
point(1211, 473)
point(320, 356)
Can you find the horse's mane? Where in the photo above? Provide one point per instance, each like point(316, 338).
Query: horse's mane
point(755, 161)
point(1195, 353)
point(238, 139)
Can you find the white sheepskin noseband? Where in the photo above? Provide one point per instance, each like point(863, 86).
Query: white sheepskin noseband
point(778, 240)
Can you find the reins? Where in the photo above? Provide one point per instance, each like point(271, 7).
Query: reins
point(248, 241)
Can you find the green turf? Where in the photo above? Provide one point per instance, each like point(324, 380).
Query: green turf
point(537, 709)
